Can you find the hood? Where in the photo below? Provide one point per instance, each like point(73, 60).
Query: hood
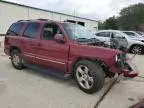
point(136, 41)
point(90, 51)
point(140, 38)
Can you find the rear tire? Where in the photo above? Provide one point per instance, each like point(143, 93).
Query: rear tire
point(89, 76)
point(16, 59)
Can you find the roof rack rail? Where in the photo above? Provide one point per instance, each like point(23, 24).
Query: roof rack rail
point(43, 19)
point(22, 20)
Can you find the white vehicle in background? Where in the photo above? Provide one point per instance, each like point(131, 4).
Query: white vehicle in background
point(133, 34)
point(140, 33)
point(132, 44)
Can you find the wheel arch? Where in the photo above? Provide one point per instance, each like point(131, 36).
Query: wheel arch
point(14, 48)
point(130, 48)
point(94, 60)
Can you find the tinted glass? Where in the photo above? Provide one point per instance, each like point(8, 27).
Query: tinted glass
point(15, 28)
point(103, 34)
point(50, 30)
point(117, 35)
point(31, 30)
point(130, 33)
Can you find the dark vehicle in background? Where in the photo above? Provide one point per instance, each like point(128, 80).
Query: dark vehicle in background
point(64, 49)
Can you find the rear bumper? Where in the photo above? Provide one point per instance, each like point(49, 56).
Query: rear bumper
point(7, 51)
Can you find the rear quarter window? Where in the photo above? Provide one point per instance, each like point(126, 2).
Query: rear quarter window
point(15, 29)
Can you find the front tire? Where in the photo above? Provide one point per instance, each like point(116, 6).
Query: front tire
point(89, 76)
point(137, 49)
point(16, 59)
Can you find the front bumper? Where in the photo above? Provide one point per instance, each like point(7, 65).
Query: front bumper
point(126, 67)
point(133, 72)
point(130, 74)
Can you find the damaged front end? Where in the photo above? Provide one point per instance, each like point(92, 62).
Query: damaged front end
point(126, 66)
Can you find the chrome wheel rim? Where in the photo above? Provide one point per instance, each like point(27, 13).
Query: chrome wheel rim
point(84, 77)
point(137, 50)
point(15, 60)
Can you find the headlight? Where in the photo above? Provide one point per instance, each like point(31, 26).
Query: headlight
point(120, 60)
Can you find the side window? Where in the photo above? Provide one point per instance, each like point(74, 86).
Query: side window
point(103, 34)
point(107, 34)
point(15, 28)
point(116, 35)
point(31, 30)
point(50, 30)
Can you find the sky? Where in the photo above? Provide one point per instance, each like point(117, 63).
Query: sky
point(93, 9)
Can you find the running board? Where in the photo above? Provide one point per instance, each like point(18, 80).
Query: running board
point(50, 71)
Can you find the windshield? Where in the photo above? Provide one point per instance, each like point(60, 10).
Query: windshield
point(132, 34)
point(78, 32)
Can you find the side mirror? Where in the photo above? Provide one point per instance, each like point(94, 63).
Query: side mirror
point(59, 38)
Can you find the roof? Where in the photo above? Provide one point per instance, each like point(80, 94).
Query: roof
point(22, 5)
point(109, 30)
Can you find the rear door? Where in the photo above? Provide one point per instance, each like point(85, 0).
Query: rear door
point(30, 40)
point(51, 53)
point(104, 36)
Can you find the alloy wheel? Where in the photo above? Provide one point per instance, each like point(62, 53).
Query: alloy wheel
point(15, 59)
point(84, 76)
point(137, 49)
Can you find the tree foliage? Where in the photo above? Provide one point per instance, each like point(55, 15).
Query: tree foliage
point(131, 17)
point(111, 23)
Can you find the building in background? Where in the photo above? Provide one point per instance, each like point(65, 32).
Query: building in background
point(11, 12)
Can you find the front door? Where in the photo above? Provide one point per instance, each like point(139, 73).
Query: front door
point(51, 53)
point(121, 40)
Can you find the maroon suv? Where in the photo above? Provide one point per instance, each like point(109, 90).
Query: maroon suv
point(64, 49)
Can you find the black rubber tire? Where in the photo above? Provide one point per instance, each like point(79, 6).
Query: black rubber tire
point(20, 64)
point(97, 74)
point(142, 47)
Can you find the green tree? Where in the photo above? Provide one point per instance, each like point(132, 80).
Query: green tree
point(111, 23)
point(100, 25)
point(131, 17)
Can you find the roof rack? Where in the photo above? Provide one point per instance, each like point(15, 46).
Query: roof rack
point(22, 20)
point(41, 19)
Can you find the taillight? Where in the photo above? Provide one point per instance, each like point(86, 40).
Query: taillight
point(6, 40)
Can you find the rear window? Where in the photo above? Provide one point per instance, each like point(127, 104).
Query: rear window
point(15, 28)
